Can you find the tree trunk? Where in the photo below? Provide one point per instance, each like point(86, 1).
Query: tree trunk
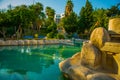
point(3, 33)
point(19, 32)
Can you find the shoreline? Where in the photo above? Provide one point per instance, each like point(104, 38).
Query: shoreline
point(35, 42)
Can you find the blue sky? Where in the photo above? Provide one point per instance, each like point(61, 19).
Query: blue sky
point(59, 5)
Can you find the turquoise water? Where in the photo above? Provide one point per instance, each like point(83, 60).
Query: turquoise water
point(33, 62)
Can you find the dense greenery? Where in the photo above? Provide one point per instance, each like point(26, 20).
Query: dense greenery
point(69, 22)
point(50, 23)
point(86, 16)
point(21, 19)
point(16, 22)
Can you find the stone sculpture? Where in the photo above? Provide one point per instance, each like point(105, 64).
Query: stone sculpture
point(99, 58)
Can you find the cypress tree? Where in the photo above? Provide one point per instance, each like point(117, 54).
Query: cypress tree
point(86, 16)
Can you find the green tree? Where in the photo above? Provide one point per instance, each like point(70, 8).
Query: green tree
point(86, 16)
point(22, 18)
point(69, 8)
point(3, 25)
point(114, 11)
point(50, 13)
point(100, 18)
point(50, 24)
point(19, 19)
point(69, 22)
point(81, 21)
point(37, 15)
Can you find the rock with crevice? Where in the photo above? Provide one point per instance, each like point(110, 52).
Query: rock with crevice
point(90, 56)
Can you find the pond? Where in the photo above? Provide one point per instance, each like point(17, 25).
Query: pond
point(34, 62)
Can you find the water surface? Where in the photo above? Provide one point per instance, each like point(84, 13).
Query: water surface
point(33, 62)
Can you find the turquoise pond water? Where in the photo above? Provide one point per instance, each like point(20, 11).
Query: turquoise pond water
point(34, 62)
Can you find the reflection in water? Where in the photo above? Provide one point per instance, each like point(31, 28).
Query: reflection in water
point(33, 63)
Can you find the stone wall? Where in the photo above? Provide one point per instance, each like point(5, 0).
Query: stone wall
point(33, 42)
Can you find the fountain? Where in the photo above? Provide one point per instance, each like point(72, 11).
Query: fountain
point(99, 58)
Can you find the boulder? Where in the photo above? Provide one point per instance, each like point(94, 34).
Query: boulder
point(90, 56)
point(79, 72)
point(112, 47)
point(73, 61)
point(99, 36)
point(100, 76)
point(64, 65)
point(114, 25)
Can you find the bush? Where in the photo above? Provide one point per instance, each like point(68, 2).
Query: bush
point(50, 35)
point(36, 35)
point(60, 36)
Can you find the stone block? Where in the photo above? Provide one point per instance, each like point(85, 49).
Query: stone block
point(114, 25)
point(99, 36)
point(90, 56)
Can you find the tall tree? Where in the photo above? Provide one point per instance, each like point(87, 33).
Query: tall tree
point(50, 23)
point(69, 22)
point(69, 8)
point(81, 21)
point(37, 15)
point(114, 10)
point(22, 16)
point(86, 17)
point(3, 25)
point(50, 13)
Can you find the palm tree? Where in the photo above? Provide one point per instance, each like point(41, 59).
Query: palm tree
point(69, 8)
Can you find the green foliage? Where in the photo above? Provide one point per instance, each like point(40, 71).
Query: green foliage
point(81, 21)
point(5, 27)
point(50, 13)
point(86, 16)
point(114, 10)
point(52, 27)
point(60, 36)
point(21, 18)
point(69, 22)
point(49, 23)
point(22, 14)
point(51, 35)
point(100, 19)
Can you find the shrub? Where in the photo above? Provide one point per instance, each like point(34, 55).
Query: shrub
point(35, 36)
point(50, 35)
point(60, 36)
